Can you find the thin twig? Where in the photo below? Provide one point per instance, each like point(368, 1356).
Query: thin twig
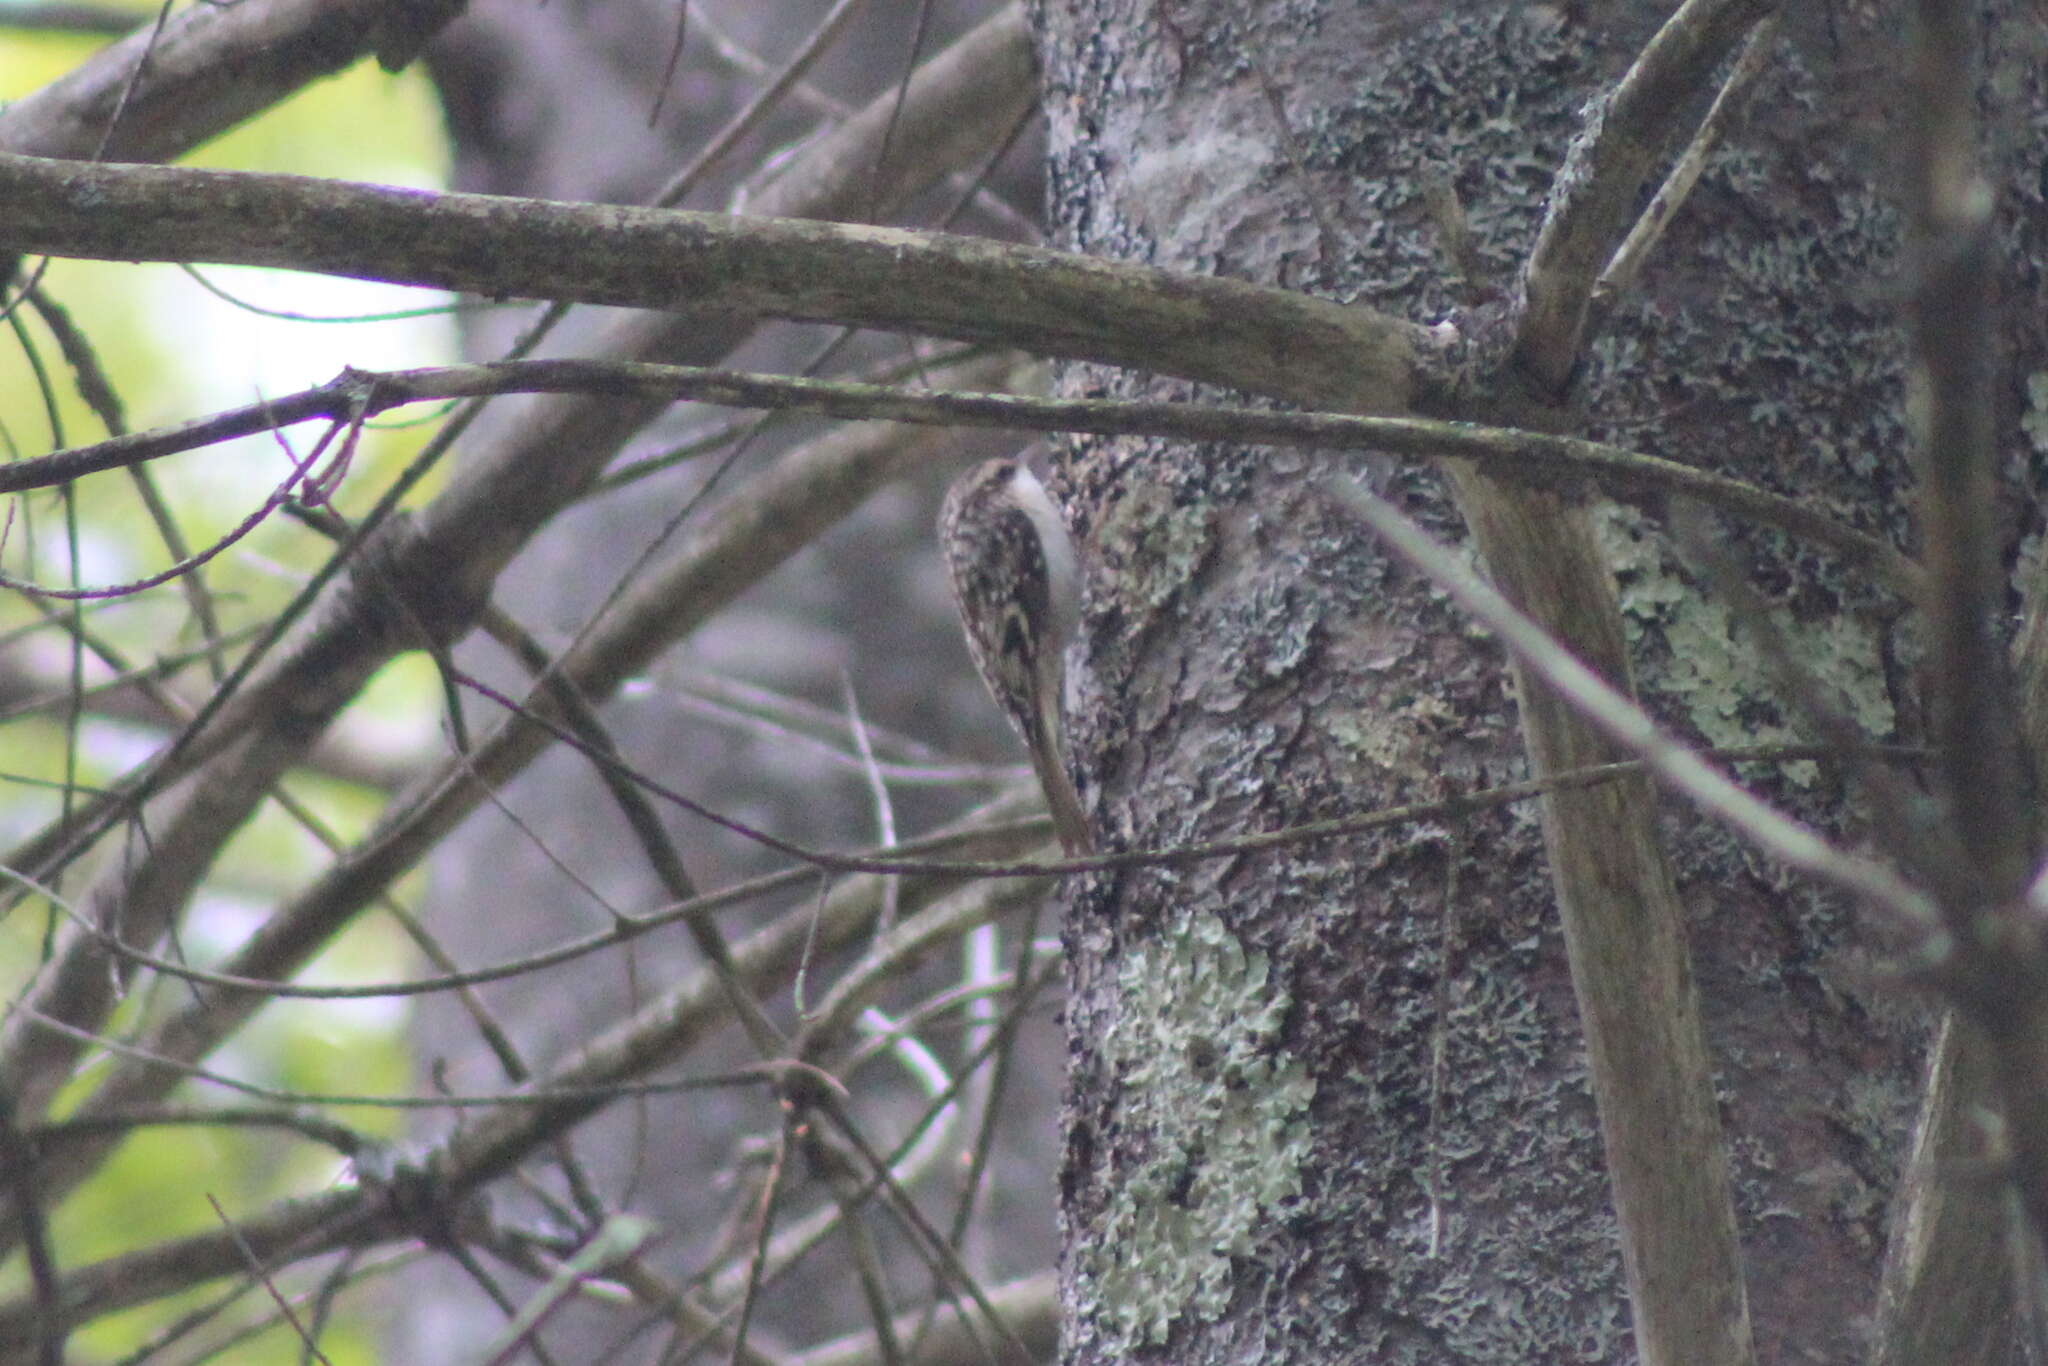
point(1629, 258)
point(1542, 458)
point(1781, 836)
point(1596, 190)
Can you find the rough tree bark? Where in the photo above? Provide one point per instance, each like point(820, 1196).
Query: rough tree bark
point(1332, 1103)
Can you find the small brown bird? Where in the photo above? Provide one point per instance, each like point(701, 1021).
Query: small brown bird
point(1017, 582)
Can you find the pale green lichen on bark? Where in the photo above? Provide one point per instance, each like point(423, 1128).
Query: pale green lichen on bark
point(1713, 668)
point(1146, 528)
point(2035, 421)
point(1223, 1114)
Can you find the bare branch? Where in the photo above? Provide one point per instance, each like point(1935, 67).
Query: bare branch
point(1947, 1293)
point(1621, 271)
point(1953, 315)
point(1537, 458)
point(58, 16)
point(810, 488)
point(1994, 962)
point(1788, 841)
point(1624, 931)
point(82, 984)
point(1029, 1306)
point(511, 485)
point(971, 289)
point(1630, 965)
point(1595, 195)
point(211, 67)
point(657, 1036)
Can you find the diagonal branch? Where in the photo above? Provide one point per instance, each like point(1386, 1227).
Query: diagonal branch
point(809, 489)
point(1596, 194)
point(209, 68)
point(658, 1035)
point(505, 490)
point(1780, 836)
point(1617, 892)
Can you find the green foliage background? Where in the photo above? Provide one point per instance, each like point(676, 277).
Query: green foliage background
point(173, 352)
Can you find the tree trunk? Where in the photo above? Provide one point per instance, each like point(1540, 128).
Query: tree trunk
point(1332, 1102)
